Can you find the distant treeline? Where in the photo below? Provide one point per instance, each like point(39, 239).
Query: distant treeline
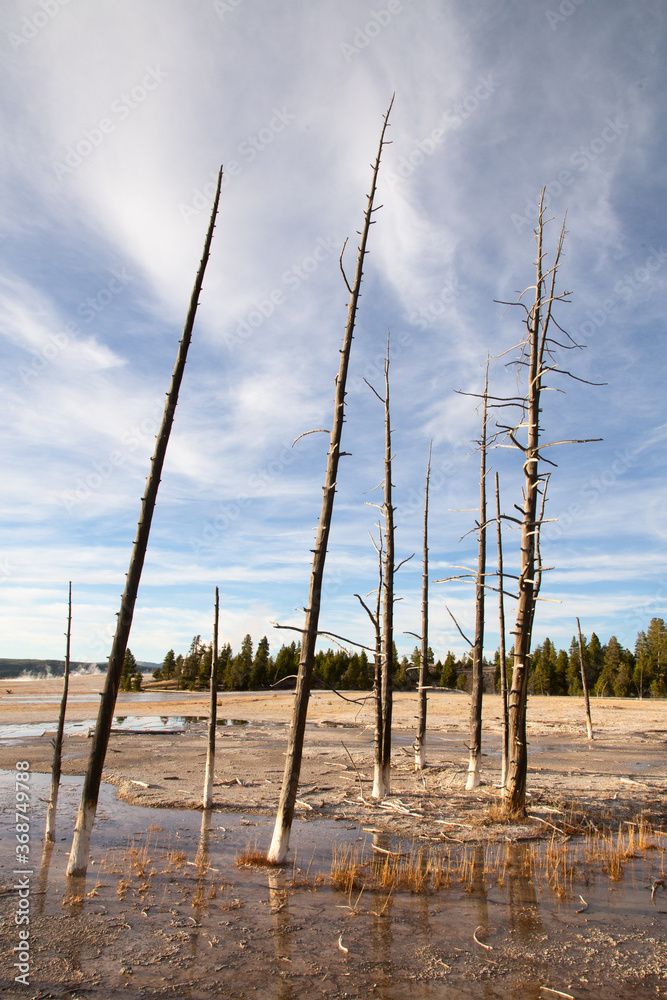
point(610, 669)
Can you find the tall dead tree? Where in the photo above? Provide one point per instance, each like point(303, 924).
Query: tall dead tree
point(382, 773)
point(538, 360)
point(280, 841)
point(388, 602)
point(78, 861)
point(207, 798)
point(475, 758)
point(501, 652)
point(584, 684)
point(50, 831)
point(376, 619)
point(420, 740)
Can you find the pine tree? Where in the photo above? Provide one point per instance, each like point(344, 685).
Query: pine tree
point(169, 666)
point(561, 673)
point(650, 674)
point(128, 671)
point(287, 661)
point(449, 673)
point(262, 666)
point(612, 659)
point(595, 660)
point(204, 668)
point(224, 660)
point(574, 667)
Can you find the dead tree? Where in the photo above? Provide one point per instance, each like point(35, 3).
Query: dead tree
point(537, 358)
point(78, 861)
point(420, 740)
point(376, 619)
point(501, 652)
point(388, 600)
point(382, 778)
point(584, 684)
point(50, 831)
point(207, 798)
point(475, 758)
point(280, 841)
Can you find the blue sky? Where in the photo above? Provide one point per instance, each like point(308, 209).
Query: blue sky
point(116, 117)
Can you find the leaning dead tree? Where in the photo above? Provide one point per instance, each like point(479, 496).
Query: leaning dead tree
point(50, 831)
point(78, 861)
point(536, 359)
point(207, 798)
point(584, 683)
point(420, 739)
point(280, 841)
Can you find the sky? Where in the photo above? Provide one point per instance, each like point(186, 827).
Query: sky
point(116, 117)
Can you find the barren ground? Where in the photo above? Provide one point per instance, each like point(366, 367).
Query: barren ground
point(622, 772)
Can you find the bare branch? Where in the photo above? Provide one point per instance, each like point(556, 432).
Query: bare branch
point(317, 430)
point(374, 390)
point(368, 611)
point(342, 270)
point(458, 626)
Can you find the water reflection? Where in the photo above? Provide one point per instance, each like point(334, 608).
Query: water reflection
point(523, 913)
point(282, 939)
point(43, 877)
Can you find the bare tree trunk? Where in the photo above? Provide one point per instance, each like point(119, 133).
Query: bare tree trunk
point(534, 349)
point(50, 831)
point(420, 742)
point(378, 785)
point(518, 758)
point(475, 761)
point(388, 610)
point(207, 800)
point(280, 842)
point(584, 684)
point(78, 861)
point(502, 654)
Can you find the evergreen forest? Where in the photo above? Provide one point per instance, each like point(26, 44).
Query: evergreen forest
point(611, 670)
